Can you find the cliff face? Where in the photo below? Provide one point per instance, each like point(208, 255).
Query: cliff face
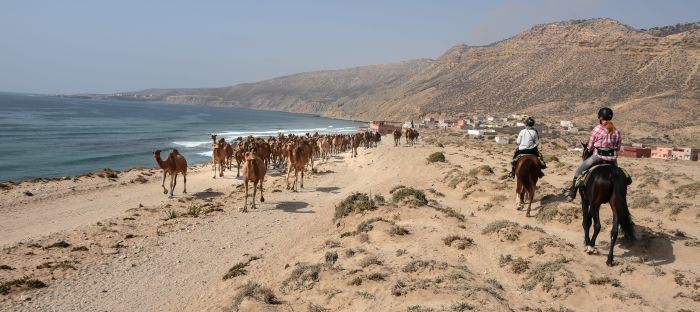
point(568, 67)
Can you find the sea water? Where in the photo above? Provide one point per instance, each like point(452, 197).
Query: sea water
point(48, 136)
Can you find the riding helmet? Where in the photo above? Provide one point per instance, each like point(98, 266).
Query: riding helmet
point(530, 121)
point(605, 113)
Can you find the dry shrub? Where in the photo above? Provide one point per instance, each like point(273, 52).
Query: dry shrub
point(21, 283)
point(237, 270)
point(462, 241)
point(409, 196)
point(436, 157)
point(59, 244)
point(398, 230)
point(302, 277)
point(538, 245)
point(643, 200)
point(370, 260)
point(481, 170)
point(604, 280)
point(451, 213)
point(689, 190)
point(255, 291)
point(552, 276)
point(508, 229)
point(355, 203)
point(416, 265)
point(331, 258)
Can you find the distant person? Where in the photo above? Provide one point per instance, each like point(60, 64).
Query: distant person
point(605, 144)
point(528, 142)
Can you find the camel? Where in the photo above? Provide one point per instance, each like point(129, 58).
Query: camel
point(397, 137)
point(411, 136)
point(218, 155)
point(174, 164)
point(325, 148)
point(253, 170)
point(228, 149)
point(354, 144)
point(298, 158)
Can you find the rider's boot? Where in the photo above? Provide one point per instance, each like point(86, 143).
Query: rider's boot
point(572, 191)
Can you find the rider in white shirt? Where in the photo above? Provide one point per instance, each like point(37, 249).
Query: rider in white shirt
point(528, 142)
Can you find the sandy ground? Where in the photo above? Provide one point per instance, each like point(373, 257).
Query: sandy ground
point(124, 253)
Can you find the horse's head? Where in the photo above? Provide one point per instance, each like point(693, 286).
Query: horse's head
point(585, 153)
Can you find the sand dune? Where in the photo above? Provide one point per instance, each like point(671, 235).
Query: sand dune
point(465, 248)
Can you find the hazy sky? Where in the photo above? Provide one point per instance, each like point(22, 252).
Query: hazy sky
point(106, 46)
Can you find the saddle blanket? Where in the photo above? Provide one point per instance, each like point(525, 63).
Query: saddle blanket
point(581, 181)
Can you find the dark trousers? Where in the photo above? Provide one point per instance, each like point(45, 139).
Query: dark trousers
point(533, 151)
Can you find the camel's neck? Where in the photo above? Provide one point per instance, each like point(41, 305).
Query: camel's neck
point(161, 163)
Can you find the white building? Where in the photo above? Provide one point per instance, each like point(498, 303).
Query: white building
point(502, 140)
point(520, 124)
point(475, 132)
point(566, 123)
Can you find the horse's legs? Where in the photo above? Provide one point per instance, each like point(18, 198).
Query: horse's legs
point(587, 220)
point(613, 238)
point(531, 193)
point(165, 191)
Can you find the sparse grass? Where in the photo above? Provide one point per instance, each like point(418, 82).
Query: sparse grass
point(395, 188)
point(370, 260)
point(355, 203)
point(365, 294)
point(194, 210)
point(237, 270)
point(461, 307)
point(331, 258)
point(547, 213)
point(436, 157)
point(317, 308)
point(546, 273)
point(462, 241)
point(486, 207)
point(449, 212)
point(689, 190)
point(376, 277)
point(418, 308)
point(332, 244)
point(398, 230)
point(644, 200)
point(604, 280)
point(410, 196)
point(538, 245)
point(59, 244)
point(481, 170)
point(417, 265)
point(533, 228)
point(379, 199)
point(498, 198)
point(550, 158)
point(24, 282)
point(355, 281)
point(509, 229)
point(399, 289)
point(255, 291)
point(677, 208)
point(519, 265)
point(368, 225)
point(170, 214)
point(302, 277)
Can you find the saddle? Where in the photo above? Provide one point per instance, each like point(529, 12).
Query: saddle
point(542, 164)
point(582, 180)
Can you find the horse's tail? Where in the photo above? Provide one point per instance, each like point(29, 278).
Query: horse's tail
point(621, 209)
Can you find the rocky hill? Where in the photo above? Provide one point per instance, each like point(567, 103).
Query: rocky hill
point(566, 68)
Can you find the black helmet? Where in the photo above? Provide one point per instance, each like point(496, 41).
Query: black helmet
point(605, 113)
point(530, 121)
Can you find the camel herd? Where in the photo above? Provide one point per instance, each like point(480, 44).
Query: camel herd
point(255, 155)
point(410, 134)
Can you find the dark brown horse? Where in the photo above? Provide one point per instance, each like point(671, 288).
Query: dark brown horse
point(527, 172)
point(605, 184)
point(397, 137)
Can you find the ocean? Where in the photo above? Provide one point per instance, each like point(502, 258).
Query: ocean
point(45, 136)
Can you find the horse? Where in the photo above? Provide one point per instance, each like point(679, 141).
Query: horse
point(527, 172)
point(605, 184)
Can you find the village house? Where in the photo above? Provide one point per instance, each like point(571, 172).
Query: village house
point(502, 140)
point(685, 153)
point(384, 127)
point(661, 153)
point(635, 152)
point(566, 124)
point(461, 124)
point(444, 123)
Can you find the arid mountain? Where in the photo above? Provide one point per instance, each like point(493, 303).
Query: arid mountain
point(568, 68)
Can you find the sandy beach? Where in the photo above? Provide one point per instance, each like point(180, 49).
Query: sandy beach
point(119, 244)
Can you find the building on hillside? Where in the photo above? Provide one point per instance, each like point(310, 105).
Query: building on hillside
point(520, 124)
point(572, 130)
point(409, 124)
point(490, 118)
point(445, 123)
point(635, 152)
point(502, 140)
point(475, 132)
point(685, 153)
point(461, 124)
point(566, 123)
point(638, 145)
point(384, 127)
point(661, 152)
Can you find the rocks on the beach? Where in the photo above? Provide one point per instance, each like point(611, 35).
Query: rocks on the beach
point(28, 193)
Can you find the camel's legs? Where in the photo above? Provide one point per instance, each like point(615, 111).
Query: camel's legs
point(184, 180)
point(165, 191)
point(172, 183)
point(302, 179)
point(255, 191)
point(214, 164)
point(262, 197)
point(289, 172)
point(245, 205)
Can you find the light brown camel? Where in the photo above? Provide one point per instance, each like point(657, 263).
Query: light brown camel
point(253, 170)
point(397, 137)
point(228, 149)
point(298, 158)
point(174, 164)
point(218, 155)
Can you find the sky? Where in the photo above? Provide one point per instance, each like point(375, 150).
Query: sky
point(110, 46)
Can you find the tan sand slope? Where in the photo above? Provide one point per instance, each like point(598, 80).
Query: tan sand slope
point(392, 258)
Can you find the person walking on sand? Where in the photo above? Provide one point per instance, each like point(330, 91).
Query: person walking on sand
point(528, 143)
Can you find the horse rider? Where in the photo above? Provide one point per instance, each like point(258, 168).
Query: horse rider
point(605, 144)
point(528, 142)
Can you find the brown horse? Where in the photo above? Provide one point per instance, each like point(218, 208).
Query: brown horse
point(397, 137)
point(605, 184)
point(527, 172)
point(253, 170)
